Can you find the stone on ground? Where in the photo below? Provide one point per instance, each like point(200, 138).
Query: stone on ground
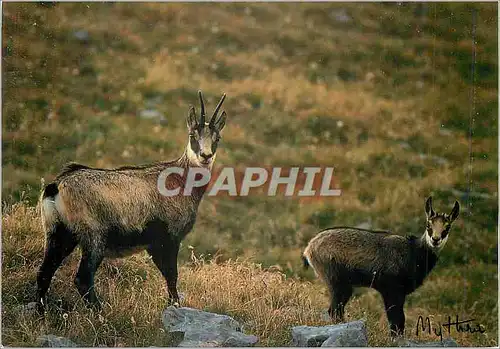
point(447, 342)
point(350, 334)
point(52, 341)
point(199, 328)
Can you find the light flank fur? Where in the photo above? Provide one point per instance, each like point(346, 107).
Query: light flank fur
point(395, 265)
point(115, 212)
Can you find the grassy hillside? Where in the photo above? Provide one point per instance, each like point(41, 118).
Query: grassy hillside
point(395, 96)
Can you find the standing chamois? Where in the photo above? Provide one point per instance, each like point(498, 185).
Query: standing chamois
point(394, 265)
point(116, 212)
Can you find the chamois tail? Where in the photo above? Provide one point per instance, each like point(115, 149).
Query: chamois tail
point(49, 213)
point(305, 262)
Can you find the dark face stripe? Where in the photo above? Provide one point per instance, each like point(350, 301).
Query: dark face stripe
point(206, 137)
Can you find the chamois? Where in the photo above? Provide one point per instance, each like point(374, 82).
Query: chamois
point(116, 212)
point(394, 265)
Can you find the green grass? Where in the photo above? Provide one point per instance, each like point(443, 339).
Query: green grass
point(398, 78)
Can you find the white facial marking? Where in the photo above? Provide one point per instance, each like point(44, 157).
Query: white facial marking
point(440, 244)
point(194, 159)
point(191, 154)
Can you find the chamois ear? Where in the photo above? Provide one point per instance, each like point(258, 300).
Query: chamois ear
point(429, 212)
point(191, 119)
point(454, 212)
point(221, 122)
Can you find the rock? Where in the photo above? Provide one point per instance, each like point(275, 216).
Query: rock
point(472, 194)
point(445, 132)
point(341, 16)
point(439, 160)
point(404, 145)
point(154, 115)
point(347, 337)
point(311, 336)
point(82, 35)
point(204, 329)
point(448, 342)
point(28, 309)
point(52, 341)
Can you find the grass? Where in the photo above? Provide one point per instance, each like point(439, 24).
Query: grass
point(384, 94)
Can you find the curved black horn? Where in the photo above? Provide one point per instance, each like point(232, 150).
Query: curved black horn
point(202, 117)
point(212, 120)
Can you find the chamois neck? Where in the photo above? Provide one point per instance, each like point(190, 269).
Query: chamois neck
point(426, 255)
point(186, 161)
point(183, 161)
point(421, 261)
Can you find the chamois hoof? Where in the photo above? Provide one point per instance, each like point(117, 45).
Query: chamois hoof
point(40, 306)
point(95, 306)
point(174, 302)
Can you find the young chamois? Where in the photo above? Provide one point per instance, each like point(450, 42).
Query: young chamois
point(115, 212)
point(394, 265)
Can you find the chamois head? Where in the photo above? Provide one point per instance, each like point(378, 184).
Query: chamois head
point(204, 136)
point(438, 225)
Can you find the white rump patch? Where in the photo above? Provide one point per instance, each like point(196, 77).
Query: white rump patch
point(49, 213)
point(306, 254)
point(52, 211)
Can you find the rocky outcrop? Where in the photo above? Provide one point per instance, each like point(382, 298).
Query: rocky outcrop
point(448, 342)
point(351, 334)
point(52, 341)
point(196, 328)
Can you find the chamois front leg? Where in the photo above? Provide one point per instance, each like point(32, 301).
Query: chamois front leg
point(164, 256)
point(394, 303)
point(340, 295)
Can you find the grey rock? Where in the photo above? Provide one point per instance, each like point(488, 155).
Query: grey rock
point(28, 309)
point(203, 329)
point(439, 160)
point(347, 337)
point(448, 342)
point(341, 16)
point(312, 336)
point(472, 194)
point(404, 145)
point(445, 132)
point(82, 35)
point(153, 114)
point(52, 341)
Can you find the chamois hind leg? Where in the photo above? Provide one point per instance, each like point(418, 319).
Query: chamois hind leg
point(394, 303)
point(164, 256)
point(60, 243)
point(92, 257)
